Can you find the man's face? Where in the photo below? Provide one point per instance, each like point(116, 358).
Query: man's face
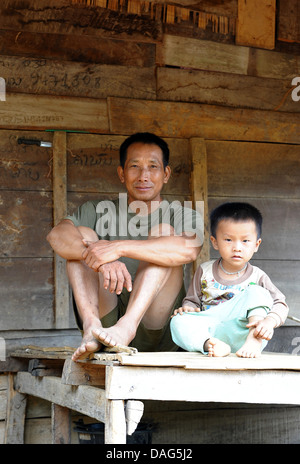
point(144, 173)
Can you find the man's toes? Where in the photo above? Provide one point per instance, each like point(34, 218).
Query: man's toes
point(104, 337)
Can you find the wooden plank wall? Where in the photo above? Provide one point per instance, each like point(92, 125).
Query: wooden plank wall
point(197, 73)
point(176, 69)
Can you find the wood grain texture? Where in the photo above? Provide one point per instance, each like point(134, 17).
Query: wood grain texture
point(207, 121)
point(256, 23)
point(42, 112)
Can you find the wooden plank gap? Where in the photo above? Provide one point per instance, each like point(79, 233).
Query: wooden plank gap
point(61, 285)
point(200, 190)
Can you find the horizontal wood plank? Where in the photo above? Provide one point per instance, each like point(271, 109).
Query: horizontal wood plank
point(63, 18)
point(26, 218)
point(213, 56)
point(82, 399)
point(261, 387)
point(22, 166)
point(52, 77)
point(194, 120)
point(241, 424)
point(67, 47)
point(194, 360)
point(202, 54)
point(216, 88)
point(62, 113)
point(26, 303)
point(244, 169)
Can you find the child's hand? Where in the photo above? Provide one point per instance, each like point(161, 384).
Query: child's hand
point(185, 309)
point(264, 328)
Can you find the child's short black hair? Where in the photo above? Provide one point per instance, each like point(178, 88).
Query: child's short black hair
point(237, 212)
point(148, 139)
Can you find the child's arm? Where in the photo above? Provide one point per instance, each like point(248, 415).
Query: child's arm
point(192, 300)
point(264, 328)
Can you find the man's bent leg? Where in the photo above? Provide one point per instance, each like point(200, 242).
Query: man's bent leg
point(88, 291)
point(154, 291)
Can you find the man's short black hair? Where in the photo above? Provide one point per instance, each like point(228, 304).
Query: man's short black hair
point(236, 211)
point(148, 139)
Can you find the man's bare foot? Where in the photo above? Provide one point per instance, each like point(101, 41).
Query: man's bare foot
point(216, 347)
point(251, 348)
point(89, 344)
point(121, 333)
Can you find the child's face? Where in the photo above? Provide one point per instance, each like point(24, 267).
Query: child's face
point(236, 242)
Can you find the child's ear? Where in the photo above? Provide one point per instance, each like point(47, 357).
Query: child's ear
point(257, 245)
point(214, 242)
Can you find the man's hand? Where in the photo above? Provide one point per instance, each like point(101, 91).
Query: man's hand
point(116, 276)
point(100, 252)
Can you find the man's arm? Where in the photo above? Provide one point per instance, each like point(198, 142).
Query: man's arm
point(66, 240)
point(164, 251)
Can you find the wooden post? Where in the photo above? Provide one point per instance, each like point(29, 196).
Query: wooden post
point(60, 425)
point(59, 212)
point(200, 191)
point(15, 417)
point(115, 423)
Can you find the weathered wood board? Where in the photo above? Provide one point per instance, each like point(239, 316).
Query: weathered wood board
point(53, 77)
point(242, 169)
point(62, 113)
point(84, 49)
point(59, 17)
point(26, 218)
point(189, 360)
point(174, 119)
point(256, 23)
point(225, 88)
point(25, 167)
point(289, 20)
point(217, 57)
point(26, 293)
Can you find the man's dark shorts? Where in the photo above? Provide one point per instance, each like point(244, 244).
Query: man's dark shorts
point(145, 339)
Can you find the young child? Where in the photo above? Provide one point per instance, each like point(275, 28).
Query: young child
point(230, 304)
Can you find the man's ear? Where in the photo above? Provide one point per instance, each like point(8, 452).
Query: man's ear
point(214, 242)
point(120, 172)
point(167, 174)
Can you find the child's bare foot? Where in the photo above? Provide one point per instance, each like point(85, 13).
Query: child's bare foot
point(216, 347)
point(251, 348)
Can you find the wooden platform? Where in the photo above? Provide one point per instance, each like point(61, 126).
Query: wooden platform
point(111, 387)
